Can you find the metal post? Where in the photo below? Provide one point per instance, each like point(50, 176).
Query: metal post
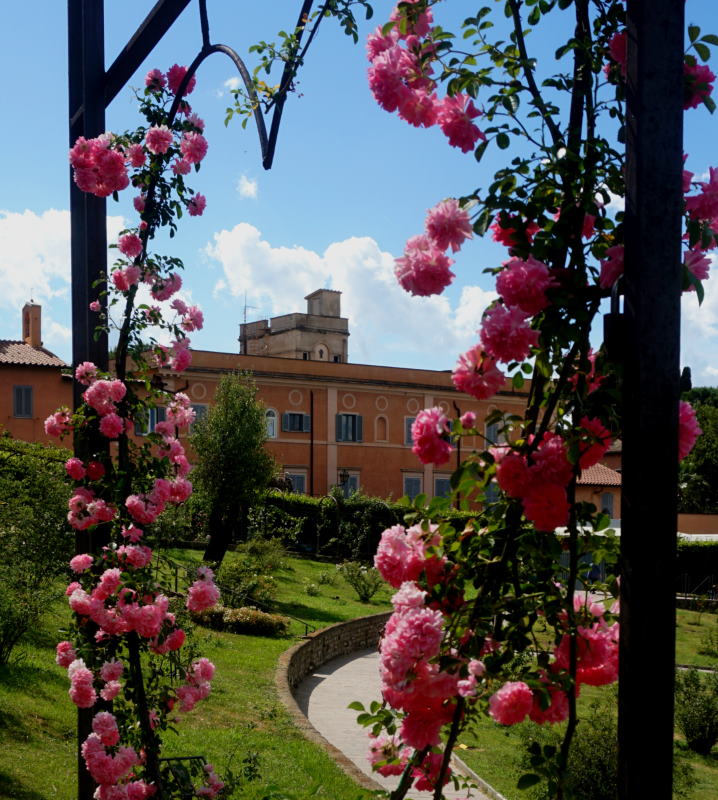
point(86, 53)
point(654, 204)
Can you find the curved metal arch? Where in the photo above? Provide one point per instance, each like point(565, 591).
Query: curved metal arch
point(267, 144)
point(204, 53)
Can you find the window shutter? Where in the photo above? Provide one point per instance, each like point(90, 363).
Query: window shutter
point(340, 437)
point(285, 422)
point(22, 401)
point(408, 422)
point(307, 423)
point(359, 429)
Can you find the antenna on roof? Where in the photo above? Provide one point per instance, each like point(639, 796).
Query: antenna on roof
point(246, 307)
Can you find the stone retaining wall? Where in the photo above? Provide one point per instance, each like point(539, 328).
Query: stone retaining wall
point(324, 645)
point(307, 656)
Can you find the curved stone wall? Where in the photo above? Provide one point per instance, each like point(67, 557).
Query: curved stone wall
point(307, 656)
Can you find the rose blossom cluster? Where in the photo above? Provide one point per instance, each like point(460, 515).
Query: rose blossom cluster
point(424, 269)
point(430, 433)
point(540, 480)
point(100, 165)
point(411, 680)
point(400, 79)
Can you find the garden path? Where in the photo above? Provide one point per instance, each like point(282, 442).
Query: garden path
point(324, 696)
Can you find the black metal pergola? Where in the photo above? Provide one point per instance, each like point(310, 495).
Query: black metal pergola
point(652, 288)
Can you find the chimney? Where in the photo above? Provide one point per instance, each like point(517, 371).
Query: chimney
point(31, 328)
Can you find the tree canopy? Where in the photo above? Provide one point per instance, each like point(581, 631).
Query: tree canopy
point(233, 465)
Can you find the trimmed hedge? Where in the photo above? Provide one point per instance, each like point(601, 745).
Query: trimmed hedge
point(341, 529)
point(697, 566)
point(245, 620)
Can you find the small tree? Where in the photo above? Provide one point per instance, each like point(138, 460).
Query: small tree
point(232, 463)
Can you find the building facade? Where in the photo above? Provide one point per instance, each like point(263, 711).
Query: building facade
point(332, 423)
point(32, 383)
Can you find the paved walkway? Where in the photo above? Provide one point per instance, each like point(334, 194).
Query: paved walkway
point(324, 696)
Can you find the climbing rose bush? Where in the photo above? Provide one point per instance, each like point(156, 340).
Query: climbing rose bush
point(460, 643)
point(127, 640)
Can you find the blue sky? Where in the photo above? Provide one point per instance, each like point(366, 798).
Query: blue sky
point(350, 184)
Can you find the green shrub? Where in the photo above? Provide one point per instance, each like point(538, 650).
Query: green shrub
point(311, 588)
point(366, 581)
point(35, 541)
point(267, 555)
point(240, 581)
point(697, 709)
point(592, 772)
point(327, 578)
point(709, 643)
point(245, 620)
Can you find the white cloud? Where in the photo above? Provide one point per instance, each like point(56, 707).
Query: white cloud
point(385, 322)
point(36, 264)
point(247, 187)
point(699, 330)
point(230, 85)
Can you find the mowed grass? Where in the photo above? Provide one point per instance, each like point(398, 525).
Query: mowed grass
point(494, 752)
point(242, 716)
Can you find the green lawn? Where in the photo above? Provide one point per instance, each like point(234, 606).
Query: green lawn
point(241, 716)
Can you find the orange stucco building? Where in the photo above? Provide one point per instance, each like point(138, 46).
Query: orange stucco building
point(32, 384)
point(335, 423)
point(329, 422)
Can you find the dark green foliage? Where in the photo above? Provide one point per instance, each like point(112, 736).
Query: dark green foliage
point(697, 709)
point(699, 470)
point(697, 561)
point(35, 540)
point(249, 621)
point(333, 526)
point(233, 466)
point(366, 581)
point(592, 772)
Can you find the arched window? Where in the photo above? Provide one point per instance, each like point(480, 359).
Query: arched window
point(270, 419)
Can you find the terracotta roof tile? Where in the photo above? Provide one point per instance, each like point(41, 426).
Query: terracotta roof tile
point(599, 475)
point(13, 352)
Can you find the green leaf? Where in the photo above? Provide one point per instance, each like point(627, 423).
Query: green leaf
point(502, 140)
point(709, 103)
point(703, 51)
point(517, 380)
point(711, 38)
point(356, 706)
point(693, 32)
point(480, 150)
point(528, 780)
point(534, 16)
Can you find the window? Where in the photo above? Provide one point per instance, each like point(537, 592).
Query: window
point(607, 503)
point(270, 420)
point(491, 492)
point(408, 422)
point(22, 401)
point(494, 435)
point(412, 486)
point(301, 423)
point(349, 428)
point(351, 485)
point(337, 359)
point(200, 412)
point(299, 481)
point(305, 356)
point(147, 425)
point(442, 486)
